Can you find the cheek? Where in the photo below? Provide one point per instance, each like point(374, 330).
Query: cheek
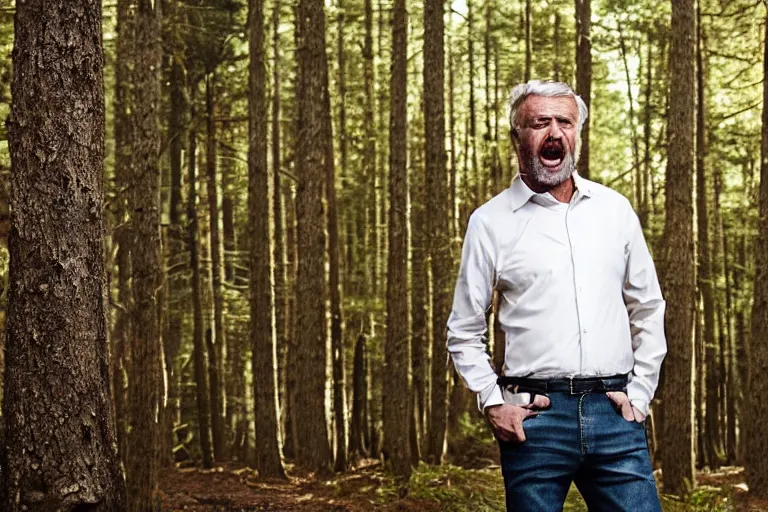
point(529, 143)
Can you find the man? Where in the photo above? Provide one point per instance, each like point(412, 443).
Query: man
point(582, 314)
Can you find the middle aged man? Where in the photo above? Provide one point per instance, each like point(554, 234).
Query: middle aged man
point(582, 314)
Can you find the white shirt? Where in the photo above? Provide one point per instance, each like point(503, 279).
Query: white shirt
point(578, 292)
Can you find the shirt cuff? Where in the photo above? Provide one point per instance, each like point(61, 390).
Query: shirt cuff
point(640, 405)
point(489, 396)
point(638, 396)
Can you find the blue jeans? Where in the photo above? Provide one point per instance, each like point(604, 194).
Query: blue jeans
point(581, 439)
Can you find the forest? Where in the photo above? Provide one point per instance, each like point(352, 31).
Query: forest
point(230, 232)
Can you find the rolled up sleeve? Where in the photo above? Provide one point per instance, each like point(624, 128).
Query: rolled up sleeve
point(467, 325)
point(645, 307)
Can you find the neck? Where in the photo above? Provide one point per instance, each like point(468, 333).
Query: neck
point(563, 192)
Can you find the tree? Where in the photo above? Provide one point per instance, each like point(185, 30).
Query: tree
point(216, 352)
point(757, 411)
point(704, 270)
point(122, 235)
point(177, 255)
point(439, 218)
point(199, 354)
point(334, 278)
point(311, 153)
point(397, 397)
point(143, 379)
point(260, 197)
point(584, 74)
point(57, 275)
point(677, 273)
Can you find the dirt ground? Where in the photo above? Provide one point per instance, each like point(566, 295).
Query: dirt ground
point(239, 489)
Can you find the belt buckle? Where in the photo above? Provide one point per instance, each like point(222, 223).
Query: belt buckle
point(570, 384)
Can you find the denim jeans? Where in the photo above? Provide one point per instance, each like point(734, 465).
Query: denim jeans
point(581, 439)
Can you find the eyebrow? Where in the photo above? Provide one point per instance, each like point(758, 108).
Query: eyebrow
point(548, 117)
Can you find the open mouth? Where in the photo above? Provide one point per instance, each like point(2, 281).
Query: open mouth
point(552, 153)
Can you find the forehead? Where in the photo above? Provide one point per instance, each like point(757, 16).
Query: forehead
point(549, 106)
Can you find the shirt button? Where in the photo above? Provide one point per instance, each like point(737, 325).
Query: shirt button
point(584, 331)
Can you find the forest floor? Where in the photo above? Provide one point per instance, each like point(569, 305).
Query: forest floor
point(368, 487)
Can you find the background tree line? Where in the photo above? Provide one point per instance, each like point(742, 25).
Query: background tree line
point(285, 190)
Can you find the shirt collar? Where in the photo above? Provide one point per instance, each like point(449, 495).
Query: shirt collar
point(520, 193)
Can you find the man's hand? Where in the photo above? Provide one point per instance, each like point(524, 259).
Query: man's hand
point(507, 420)
point(621, 401)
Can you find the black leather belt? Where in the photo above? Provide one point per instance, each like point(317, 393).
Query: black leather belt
point(571, 385)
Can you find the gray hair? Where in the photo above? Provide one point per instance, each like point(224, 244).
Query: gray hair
point(539, 88)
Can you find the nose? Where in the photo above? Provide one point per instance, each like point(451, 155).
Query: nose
point(555, 132)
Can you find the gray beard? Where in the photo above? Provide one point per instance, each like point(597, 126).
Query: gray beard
point(543, 177)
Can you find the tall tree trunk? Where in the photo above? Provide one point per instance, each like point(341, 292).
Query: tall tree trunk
point(281, 260)
point(556, 37)
point(584, 74)
point(122, 235)
point(357, 446)
point(643, 212)
point(718, 270)
point(419, 291)
point(57, 279)
point(472, 135)
point(741, 340)
point(200, 355)
point(438, 221)
point(756, 464)
point(528, 45)
point(311, 332)
point(700, 392)
point(146, 262)
point(677, 273)
point(334, 281)
point(236, 421)
point(454, 203)
point(732, 391)
point(705, 274)
point(370, 166)
point(396, 394)
point(216, 367)
point(176, 260)
point(260, 197)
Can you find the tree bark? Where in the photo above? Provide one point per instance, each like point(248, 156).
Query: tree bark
point(143, 380)
point(334, 257)
point(260, 197)
point(397, 388)
point(677, 273)
point(472, 135)
point(311, 332)
point(123, 236)
point(528, 45)
point(756, 464)
point(584, 75)
point(644, 212)
point(176, 259)
point(438, 221)
point(705, 275)
point(199, 352)
point(216, 366)
point(356, 438)
point(281, 261)
point(59, 441)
